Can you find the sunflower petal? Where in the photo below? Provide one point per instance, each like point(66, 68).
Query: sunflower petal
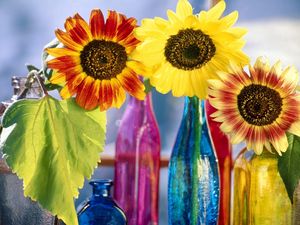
point(173, 18)
point(126, 28)
point(111, 25)
point(67, 40)
point(295, 128)
point(230, 19)
point(57, 52)
point(71, 87)
point(216, 12)
point(84, 92)
point(97, 24)
point(184, 9)
point(83, 27)
point(139, 68)
point(106, 95)
point(58, 78)
point(118, 93)
point(131, 83)
point(63, 62)
point(75, 32)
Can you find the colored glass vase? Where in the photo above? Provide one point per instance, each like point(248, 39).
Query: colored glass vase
point(137, 163)
point(193, 189)
point(100, 209)
point(223, 150)
point(260, 196)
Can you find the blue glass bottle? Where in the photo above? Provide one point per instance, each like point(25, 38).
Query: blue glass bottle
point(193, 189)
point(100, 209)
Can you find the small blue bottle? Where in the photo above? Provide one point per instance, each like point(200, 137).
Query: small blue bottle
point(100, 209)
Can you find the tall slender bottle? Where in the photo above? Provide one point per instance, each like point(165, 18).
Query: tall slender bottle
point(223, 150)
point(137, 163)
point(193, 189)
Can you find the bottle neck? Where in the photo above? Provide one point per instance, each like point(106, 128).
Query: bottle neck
point(143, 108)
point(194, 112)
point(146, 103)
point(101, 188)
point(193, 107)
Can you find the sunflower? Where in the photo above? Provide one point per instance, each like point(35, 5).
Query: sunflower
point(95, 62)
point(187, 50)
point(258, 108)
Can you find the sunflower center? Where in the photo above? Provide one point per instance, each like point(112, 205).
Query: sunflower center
point(103, 59)
point(259, 105)
point(189, 49)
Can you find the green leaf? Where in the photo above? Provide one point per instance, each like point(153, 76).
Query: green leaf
point(48, 73)
point(31, 68)
point(148, 86)
point(289, 165)
point(50, 87)
point(53, 145)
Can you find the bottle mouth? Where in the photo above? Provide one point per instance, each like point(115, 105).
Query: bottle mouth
point(101, 182)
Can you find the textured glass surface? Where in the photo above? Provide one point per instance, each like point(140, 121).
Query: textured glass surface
point(100, 209)
point(260, 197)
point(296, 206)
point(15, 209)
point(137, 163)
point(193, 190)
point(223, 149)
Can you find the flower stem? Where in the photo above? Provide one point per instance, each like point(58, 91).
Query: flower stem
point(196, 159)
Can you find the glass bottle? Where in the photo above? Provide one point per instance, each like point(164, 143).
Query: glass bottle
point(193, 189)
point(100, 209)
point(296, 206)
point(223, 150)
point(260, 196)
point(14, 207)
point(137, 163)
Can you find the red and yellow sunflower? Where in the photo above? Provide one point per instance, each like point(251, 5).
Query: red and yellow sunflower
point(258, 108)
point(95, 62)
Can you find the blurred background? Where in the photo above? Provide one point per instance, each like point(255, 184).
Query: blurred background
point(27, 25)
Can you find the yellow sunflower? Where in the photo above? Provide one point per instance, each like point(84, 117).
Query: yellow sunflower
point(258, 108)
point(187, 50)
point(95, 62)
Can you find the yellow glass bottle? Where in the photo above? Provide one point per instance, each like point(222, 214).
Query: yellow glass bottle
point(260, 197)
point(296, 206)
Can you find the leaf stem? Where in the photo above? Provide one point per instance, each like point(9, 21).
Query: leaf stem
point(39, 80)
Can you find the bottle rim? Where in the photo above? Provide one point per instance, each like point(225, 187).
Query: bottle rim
point(101, 182)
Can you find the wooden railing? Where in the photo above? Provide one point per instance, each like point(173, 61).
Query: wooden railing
point(109, 160)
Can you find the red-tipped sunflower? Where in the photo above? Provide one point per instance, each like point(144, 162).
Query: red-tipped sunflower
point(259, 108)
point(95, 62)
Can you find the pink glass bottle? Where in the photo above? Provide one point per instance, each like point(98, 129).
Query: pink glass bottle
point(223, 150)
point(137, 163)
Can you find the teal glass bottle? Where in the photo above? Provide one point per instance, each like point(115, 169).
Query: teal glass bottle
point(193, 189)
